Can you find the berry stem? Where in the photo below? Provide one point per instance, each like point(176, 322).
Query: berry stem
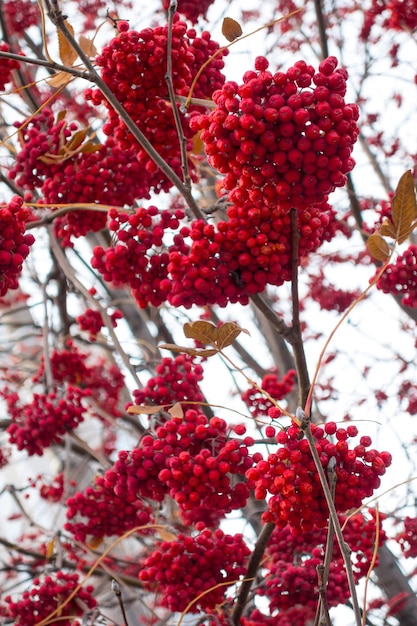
point(297, 343)
point(253, 566)
point(305, 424)
point(168, 77)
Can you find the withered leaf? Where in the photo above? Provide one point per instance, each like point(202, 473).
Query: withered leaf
point(231, 29)
point(204, 332)
point(228, 332)
point(404, 207)
point(378, 247)
point(190, 351)
point(67, 54)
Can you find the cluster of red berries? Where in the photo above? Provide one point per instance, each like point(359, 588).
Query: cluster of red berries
point(131, 261)
point(277, 389)
point(181, 571)
point(291, 563)
point(98, 512)
point(46, 595)
point(408, 537)
point(327, 296)
point(207, 264)
point(291, 477)
point(50, 490)
point(395, 15)
point(282, 139)
point(37, 424)
point(176, 380)
point(102, 381)
point(400, 278)
point(20, 15)
point(134, 66)
point(92, 321)
point(53, 160)
point(189, 9)
point(7, 66)
point(14, 243)
point(193, 460)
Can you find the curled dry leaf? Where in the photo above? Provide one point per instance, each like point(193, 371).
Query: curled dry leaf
point(231, 29)
point(378, 247)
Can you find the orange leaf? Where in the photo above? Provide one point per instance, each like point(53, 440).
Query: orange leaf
point(87, 46)
point(231, 29)
point(59, 80)
point(378, 247)
point(388, 229)
point(67, 54)
point(145, 409)
point(228, 332)
point(176, 410)
point(404, 207)
point(204, 332)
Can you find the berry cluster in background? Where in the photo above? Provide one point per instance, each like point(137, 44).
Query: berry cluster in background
point(176, 474)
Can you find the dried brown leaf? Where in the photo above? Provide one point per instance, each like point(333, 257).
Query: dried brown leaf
point(204, 332)
point(388, 229)
point(231, 29)
point(67, 54)
point(87, 46)
point(59, 80)
point(145, 409)
point(378, 247)
point(404, 207)
point(176, 410)
point(228, 332)
point(166, 535)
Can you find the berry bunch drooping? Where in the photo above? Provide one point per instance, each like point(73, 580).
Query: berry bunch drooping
point(14, 243)
point(46, 595)
point(134, 66)
point(193, 460)
point(291, 477)
point(181, 570)
point(400, 278)
point(282, 139)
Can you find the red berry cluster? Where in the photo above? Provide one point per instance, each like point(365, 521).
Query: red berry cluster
point(103, 382)
point(37, 424)
point(408, 537)
point(327, 296)
point(176, 380)
point(258, 403)
point(190, 9)
point(191, 459)
point(7, 66)
point(291, 563)
point(66, 174)
point(290, 476)
point(400, 278)
point(14, 243)
point(131, 261)
point(99, 513)
point(183, 569)
point(21, 15)
point(395, 15)
point(92, 321)
point(46, 595)
point(134, 65)
point(50, 490)
point(282, 139)
point(243, 255)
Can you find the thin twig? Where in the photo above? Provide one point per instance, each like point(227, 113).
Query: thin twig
point(305, 424)
point(117, 592)
point(168, 78)
point(297, 343)
point(253, 567)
